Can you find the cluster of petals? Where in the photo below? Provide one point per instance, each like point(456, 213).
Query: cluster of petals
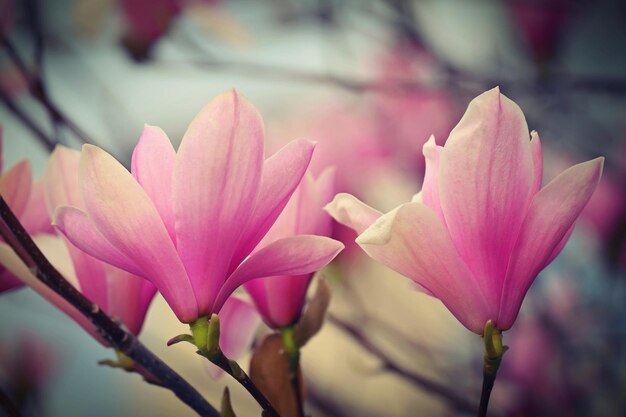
point(280, 299)
point(188, 220)
point(482, 228)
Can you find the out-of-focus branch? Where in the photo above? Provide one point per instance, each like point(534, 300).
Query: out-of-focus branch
point(38, 91)
point(462, 82)
point(453, 399)
point(16, 236)
point(45, 140)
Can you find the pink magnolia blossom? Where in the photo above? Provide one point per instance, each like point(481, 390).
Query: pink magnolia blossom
point(25, 198)
point(541, 23)
point(406, 117)
point(188, 220)
point(123, 296)
point(482, 228)
point(279, 299)
point(148, 20)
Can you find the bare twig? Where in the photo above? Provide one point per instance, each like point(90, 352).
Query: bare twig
point(453, 399)
point(45, 140)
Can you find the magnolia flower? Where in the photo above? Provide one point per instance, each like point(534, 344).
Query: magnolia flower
point(121, 295)
point(279, 299)
point(188, 220)
point(25, 198)
point(482, 228)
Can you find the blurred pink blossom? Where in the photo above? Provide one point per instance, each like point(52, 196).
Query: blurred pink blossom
point(407, 116)
point(482, 228)
point(540, 23)
point(188, 220)
point(25, 198)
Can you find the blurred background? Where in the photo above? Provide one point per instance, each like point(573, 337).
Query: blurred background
point(370, 80)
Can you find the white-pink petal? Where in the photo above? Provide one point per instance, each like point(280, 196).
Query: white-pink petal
point(352, 212)
point(412, 241)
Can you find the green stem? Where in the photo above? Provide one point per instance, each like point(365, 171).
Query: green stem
point(494, 350)
point(293, 358)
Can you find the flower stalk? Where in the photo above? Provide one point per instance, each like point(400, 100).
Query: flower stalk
point(494, 350)
point(293, 357)
point(205, 335)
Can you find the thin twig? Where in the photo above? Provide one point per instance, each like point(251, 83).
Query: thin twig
point(38, 90)
point(45, 140)
point(489, 379)
point(16, 236)
point(233, 369)
point(457, 402)
point(562, 82)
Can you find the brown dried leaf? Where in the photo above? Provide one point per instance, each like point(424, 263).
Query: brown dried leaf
point(269, 370)
point(226, 409)
point(313, 317)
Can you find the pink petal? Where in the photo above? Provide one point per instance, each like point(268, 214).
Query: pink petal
point(295, 255)
point(258, 292)
point(412, 240)
point(351, 212)
point(430, 188)
point(326, 190)
point(80, 231)
point(124, 214)
point(15, 186)
point(282, 172)
point(129, 297)
point(35, 217)
point(61, 180)
point(559, 247)
point(216, 182)
point(91, 275)
point(239, 322)
point(283, 300)
point(485, 186)
point(549, 220)
point(153, 166)
point(8, 281)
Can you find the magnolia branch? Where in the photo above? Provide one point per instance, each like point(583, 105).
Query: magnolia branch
point(16, 236)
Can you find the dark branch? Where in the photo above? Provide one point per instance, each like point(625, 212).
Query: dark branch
point(43, 138)
point(15, 235)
